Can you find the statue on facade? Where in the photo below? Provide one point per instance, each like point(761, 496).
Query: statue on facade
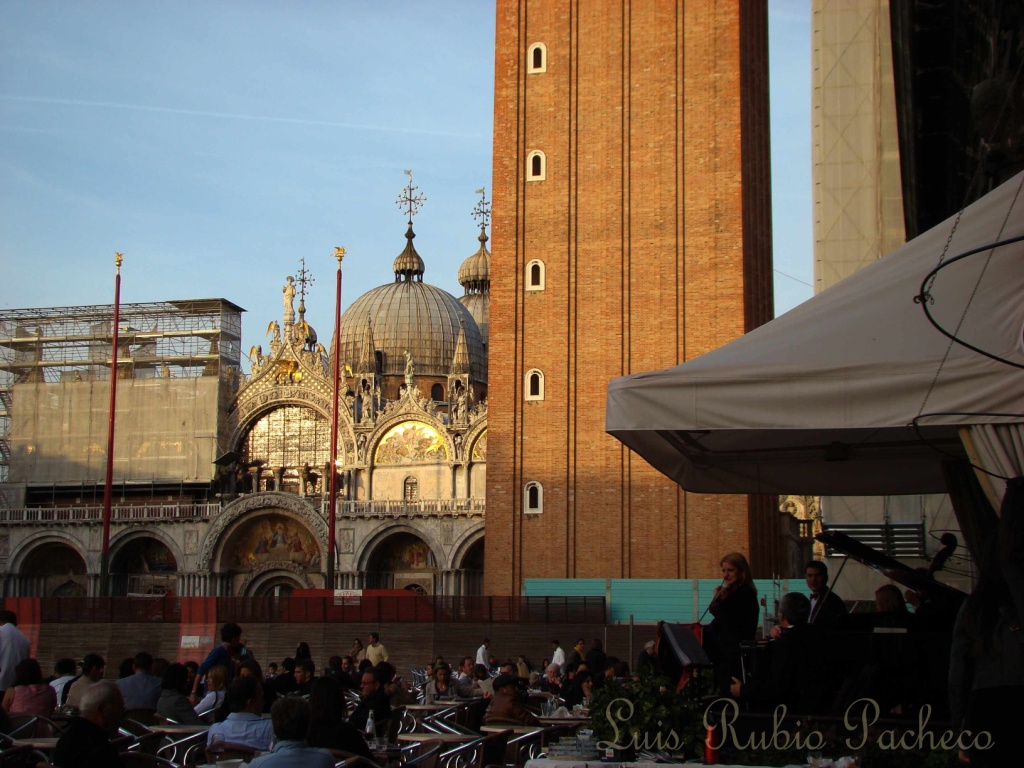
point(289, 301)
point(458, 406)
point(309, 479)
point(274, 331)
point(256, 355)
point(410, 370)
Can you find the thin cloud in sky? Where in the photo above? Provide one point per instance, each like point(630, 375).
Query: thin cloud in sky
point(233, 116)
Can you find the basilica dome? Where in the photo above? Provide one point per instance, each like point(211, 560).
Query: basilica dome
point(475, 278)
point(410, 315)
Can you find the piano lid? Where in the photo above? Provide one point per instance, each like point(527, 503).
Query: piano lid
point(890, 567)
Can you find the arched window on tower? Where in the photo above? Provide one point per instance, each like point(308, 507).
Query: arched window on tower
point(410, 489)
point(537, 60)
point(533, 498)
point(437, 393)
point(535, 275)
point(535, 166)
point(534, 385)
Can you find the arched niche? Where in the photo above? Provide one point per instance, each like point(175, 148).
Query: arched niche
point(54, 569)
point(274, 579)
point(272, 538)
point(283, 440)
point(399, 560)
point(468, 560)
point(143, 565)
point(251, 507)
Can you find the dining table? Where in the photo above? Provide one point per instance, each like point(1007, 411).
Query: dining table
point(42, 743)
point(448, 738)
point(178, 729)
point(516, 729)
point(570, 720)
point(418, 712)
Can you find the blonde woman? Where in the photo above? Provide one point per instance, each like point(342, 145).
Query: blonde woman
point(735, 609)
point(216, 680)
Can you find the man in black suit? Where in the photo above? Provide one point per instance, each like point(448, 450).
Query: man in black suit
point(797, 672)
point(826, 606)
point(372, 699)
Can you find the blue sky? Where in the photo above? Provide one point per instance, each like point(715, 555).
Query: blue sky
point(216, 143)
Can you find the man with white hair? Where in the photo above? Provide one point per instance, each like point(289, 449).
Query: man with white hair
point(86, 742)
point(647, 657)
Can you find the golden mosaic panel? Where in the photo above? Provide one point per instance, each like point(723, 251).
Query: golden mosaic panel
point(480, 448)
point(411, 442)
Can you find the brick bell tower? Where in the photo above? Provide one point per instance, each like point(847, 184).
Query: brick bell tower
point(631, 232)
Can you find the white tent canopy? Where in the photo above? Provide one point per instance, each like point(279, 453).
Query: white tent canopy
point(822, 400)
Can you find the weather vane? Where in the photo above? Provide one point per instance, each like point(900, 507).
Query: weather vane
point(410, 200)
point(305, 278)
point(482, 211)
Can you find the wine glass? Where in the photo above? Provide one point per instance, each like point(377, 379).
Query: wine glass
point(216, 746)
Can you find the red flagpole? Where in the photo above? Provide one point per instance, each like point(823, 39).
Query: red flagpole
point(108, 485)
point(339, 254)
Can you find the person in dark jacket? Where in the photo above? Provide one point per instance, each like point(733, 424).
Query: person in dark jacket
point(329, 730)
point(174, 703)
point(505, 706)
point(827, 608)
point(735, 609)
point(796, 674)
point(372, 699)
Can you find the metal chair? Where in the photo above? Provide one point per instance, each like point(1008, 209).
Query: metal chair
point(463, 756)
point(429, 754)
point(22, 726)
point(178, 751)
point(492, 750)
point(20, 757)
point(471, 715)
point(232, 752)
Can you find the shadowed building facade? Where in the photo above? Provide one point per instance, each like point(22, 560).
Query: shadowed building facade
point(632, 232)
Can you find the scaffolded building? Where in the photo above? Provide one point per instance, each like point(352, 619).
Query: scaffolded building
point(178, 363)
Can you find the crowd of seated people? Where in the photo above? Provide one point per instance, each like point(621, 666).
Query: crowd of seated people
point(240, 705)
point(230, 692)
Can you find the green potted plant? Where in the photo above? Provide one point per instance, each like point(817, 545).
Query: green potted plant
point(646, 713)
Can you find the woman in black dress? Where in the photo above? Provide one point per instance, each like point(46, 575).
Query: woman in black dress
point(735, 609)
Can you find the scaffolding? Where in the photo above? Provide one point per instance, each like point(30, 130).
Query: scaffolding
point(188, 339)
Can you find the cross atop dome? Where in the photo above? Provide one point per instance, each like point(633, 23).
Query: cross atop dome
point(482, 210)
point(410, 199)
point(304, 279)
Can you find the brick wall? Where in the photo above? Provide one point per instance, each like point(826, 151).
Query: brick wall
point(650, 222)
